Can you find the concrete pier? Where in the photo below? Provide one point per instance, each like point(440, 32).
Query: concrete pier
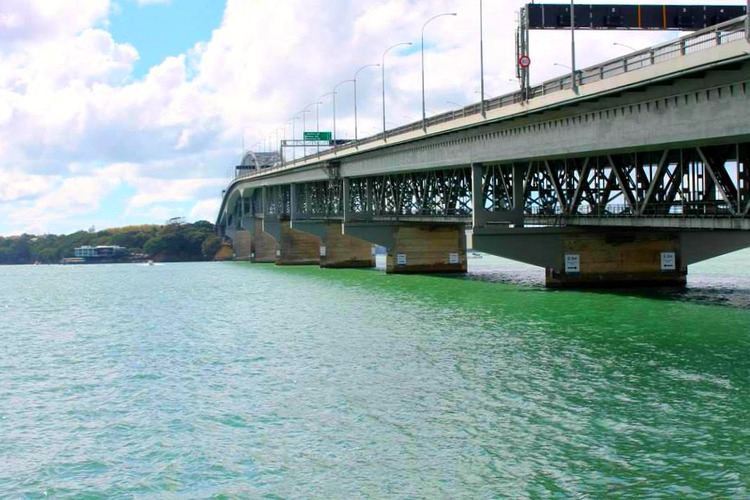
point(295, 247)
point(242, 245)
point(263, 246)
point(609, 259)
point(416, 247)
point(339, 250)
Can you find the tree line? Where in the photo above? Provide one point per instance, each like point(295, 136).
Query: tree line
point(174, 241)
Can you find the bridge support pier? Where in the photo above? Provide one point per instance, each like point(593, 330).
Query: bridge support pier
point(612, 259)
point(416, 247)
point(293, 247)
point(338, 250)
point(263, 245)
point(242, 244)
point(609, 257)
point(580, 258)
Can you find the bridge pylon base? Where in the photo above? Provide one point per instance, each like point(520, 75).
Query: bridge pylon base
point(603, 259)
point(296, 247)
point(242, 244)
point(593, 257)
point(416, 247)
point(338, 250)
point(262, 244)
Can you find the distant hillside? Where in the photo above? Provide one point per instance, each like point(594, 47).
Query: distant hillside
point(175, 241)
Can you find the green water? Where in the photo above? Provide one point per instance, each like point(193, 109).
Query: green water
point(231, 380)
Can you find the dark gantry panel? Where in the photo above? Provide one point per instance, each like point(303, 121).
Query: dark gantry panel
point(631, 17)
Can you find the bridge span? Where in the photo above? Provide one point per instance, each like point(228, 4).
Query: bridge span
point(626, 178)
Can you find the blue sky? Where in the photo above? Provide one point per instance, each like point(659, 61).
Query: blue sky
point(117, 112)
point(163, 29)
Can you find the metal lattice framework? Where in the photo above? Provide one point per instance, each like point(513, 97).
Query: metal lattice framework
point(688, 182)
point(279, 200)
point(320, 199)
point(440, 193)
point(709, 180)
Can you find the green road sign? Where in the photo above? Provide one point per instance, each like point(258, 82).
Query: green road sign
point(317, 136)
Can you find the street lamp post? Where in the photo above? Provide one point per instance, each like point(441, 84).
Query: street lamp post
point(573, 46)
point(294, 133)
point(424, 110)
point(282, 143)
point(623, 45)
point(317, 115)
point(481, 57)
point(335, 143)
point(382, 76)
point(294, 149)
point(356, 137)
point(304, 127)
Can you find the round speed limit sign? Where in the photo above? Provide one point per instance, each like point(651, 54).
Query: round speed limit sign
point(524, 61)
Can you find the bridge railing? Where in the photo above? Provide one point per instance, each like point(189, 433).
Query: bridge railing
point(707, 38)
point(692, 209)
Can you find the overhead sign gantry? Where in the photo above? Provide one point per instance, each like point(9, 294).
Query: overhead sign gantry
point(546, 16)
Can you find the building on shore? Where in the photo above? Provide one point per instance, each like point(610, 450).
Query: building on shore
point(98, 254)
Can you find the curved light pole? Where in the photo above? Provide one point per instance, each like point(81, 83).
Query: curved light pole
point(283, 142)
point(574, 84)
point(304, 142)
point(334, 109)
point(294, 134)
point(382, 75)
point(424, 110)
point(317, 115)
point(481, 57)
point(624, 45)
point(355, 96)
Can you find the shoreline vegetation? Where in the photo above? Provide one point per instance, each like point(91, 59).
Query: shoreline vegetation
point(175, 241)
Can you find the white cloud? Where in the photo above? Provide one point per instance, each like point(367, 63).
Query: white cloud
point(30, 21)
point(19, 185)
point(205, 209)
point(152, 191)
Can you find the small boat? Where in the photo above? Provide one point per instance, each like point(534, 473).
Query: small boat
point(150, 262)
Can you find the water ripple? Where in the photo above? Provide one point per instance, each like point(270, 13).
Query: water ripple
point(236, 381)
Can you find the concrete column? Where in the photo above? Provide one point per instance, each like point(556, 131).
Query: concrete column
point(418, 247)
point(478, 211)
point(427, 248)
point(613, 259)
point(263, 245)
point(339, 250)
point(296, 247)
point(604, 257)
point(242, 245)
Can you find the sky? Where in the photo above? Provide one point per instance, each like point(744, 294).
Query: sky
point(121, 112)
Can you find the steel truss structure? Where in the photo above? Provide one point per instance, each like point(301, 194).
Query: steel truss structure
point(322, 199)
point(437, 193)
point(705, 181)
point(689, 182)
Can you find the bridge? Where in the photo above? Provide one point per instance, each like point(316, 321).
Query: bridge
point(626, 176)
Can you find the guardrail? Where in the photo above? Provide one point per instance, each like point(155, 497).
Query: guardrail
point(735, 29)
point(695, 209)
